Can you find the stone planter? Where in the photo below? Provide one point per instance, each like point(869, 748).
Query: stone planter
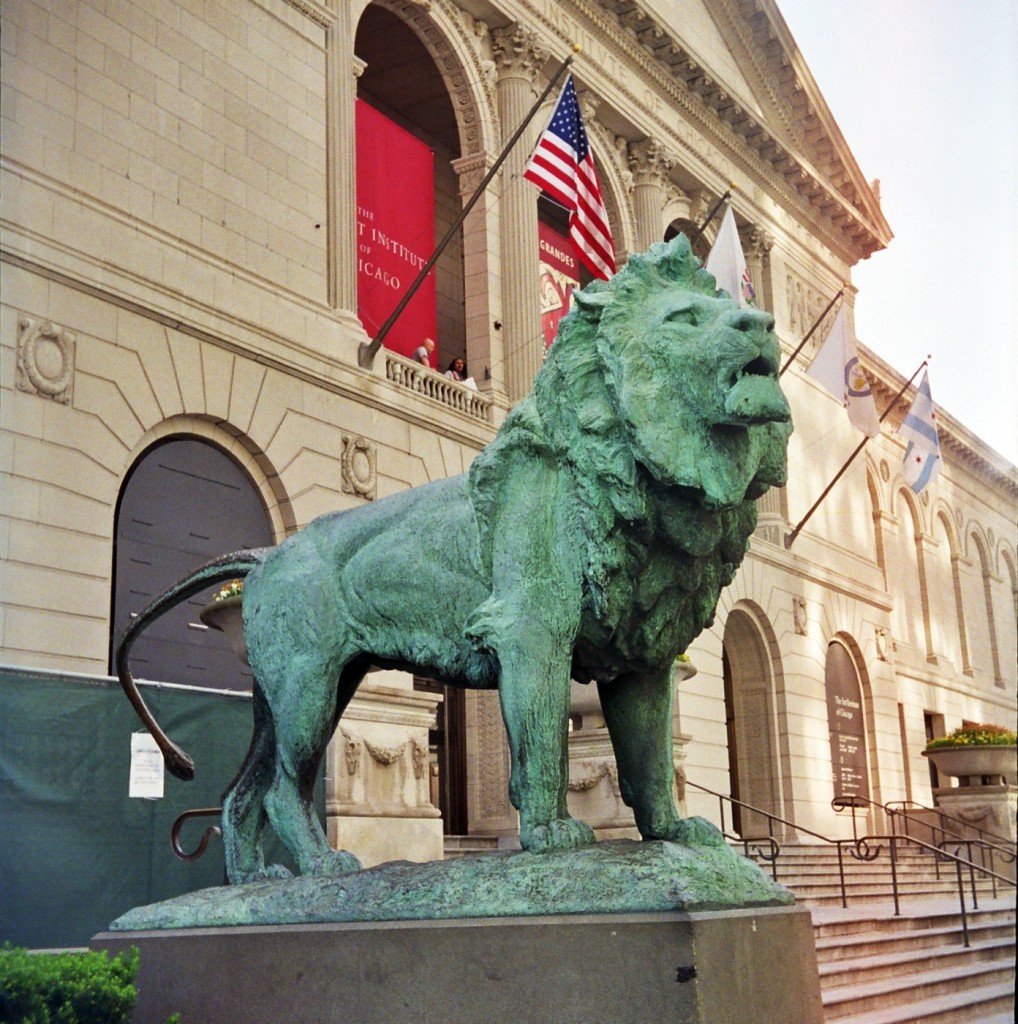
point(584, 700)
point(971, 764)
point(227, 616)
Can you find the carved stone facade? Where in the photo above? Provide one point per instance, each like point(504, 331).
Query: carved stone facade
point(207, 289)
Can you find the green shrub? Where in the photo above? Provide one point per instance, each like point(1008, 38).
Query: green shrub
point(976, 736)
point(66, 988)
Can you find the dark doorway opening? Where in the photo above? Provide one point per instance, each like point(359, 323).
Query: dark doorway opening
point(183, 502)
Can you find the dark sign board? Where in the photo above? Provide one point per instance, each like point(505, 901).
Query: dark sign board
point(846, 725)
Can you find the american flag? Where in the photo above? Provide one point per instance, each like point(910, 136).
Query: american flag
point(563, 166)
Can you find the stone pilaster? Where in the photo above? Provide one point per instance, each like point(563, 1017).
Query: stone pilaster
point(651, 164)
point(482, 277)
point(342, 71)
point(518, 58)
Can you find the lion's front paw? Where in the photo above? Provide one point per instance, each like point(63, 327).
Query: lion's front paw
point(265, 873)
point(697, 832)
point(335, 862)
point(557, 834)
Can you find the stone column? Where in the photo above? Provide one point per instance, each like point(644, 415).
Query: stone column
point(757, 245)
point(519, 57)
point(651, 164)
point(482, 278)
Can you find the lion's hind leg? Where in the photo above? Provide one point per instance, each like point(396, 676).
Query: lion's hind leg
point(244, 803)
point(303, 727)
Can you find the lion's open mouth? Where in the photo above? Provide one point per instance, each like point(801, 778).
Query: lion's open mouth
point(754, 395)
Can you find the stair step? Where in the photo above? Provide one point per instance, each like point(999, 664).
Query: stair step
point(876, 943)
point(887, 992)
point(887, 964)
point(986, 1004)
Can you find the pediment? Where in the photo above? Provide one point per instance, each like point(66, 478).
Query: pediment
point(739, 58)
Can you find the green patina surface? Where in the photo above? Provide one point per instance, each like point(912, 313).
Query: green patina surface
point(621, 877)
point(590, 540)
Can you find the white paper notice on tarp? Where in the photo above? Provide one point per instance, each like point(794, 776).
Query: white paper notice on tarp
point(146, 768)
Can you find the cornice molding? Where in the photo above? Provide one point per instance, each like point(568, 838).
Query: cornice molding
point(722, 119)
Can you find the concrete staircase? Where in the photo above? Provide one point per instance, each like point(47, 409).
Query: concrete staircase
point(878, 968)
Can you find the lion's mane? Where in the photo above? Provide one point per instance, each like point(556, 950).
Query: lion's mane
point(572, 421)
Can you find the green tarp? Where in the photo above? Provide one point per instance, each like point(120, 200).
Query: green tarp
point(75, 850)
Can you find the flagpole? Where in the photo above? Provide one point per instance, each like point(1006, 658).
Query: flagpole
point(710, 216)
point(366, 352)
point(809, 333)
point(790, 538)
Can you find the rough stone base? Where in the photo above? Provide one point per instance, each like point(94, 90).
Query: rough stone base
point(688, 968)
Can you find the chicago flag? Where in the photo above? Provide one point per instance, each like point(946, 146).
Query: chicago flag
point(922, 457)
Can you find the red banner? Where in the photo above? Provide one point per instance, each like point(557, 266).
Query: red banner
point(395, 230)
point(560, 274)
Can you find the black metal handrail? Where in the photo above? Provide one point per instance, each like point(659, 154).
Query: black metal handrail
point(940, 835)
point(867, 848)
point(902, 807)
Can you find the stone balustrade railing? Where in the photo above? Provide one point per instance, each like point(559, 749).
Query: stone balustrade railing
point(434, 385)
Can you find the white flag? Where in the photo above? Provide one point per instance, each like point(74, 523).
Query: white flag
point(919, 427)
point(837, 367)
point(727, 263)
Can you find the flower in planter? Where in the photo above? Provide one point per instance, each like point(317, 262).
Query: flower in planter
point(975, 736)
point(235, 588)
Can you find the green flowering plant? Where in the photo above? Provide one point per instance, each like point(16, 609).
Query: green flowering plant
point(976, 736)
point(235, 588)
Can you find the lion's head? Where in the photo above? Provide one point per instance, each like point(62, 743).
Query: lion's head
point(689, 377)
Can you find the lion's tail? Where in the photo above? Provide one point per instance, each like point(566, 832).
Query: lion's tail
point(227, 567)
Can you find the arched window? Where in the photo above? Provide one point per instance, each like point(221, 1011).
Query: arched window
point(183, 502)
point(945, 585)
point(977, 594)
point(906, 579)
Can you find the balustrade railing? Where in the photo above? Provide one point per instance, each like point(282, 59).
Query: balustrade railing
point(867, 848)
point(425, 381)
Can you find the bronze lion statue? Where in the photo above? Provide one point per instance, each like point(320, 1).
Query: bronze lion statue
point(590, 541)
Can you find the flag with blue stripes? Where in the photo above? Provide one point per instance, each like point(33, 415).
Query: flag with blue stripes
point(922, 456)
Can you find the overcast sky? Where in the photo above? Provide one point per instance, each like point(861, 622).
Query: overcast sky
point(926, 94)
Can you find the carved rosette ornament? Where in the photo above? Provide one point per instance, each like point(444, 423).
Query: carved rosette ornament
point(45, 360)
point(359, 472)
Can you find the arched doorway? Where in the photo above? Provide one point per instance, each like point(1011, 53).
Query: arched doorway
point(403, 84)
point(183, 502)
point(751, 723)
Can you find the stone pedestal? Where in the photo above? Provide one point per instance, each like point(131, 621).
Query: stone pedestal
point(687, 968)
point(990, 808)
point(377, 794)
